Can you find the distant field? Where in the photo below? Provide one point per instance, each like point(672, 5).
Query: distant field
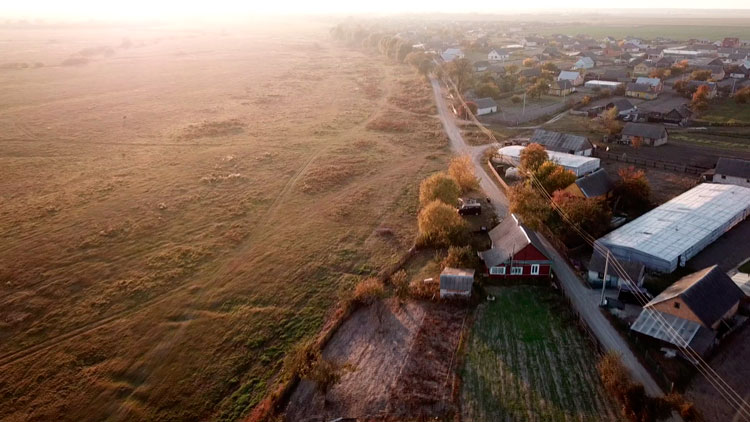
point(180, 207)
point(677, 32)
point(728, 112)
point(527, 361)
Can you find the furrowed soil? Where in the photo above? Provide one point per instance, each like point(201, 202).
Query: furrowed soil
point(180, 207)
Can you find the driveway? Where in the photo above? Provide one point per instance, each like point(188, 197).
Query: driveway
point(584, 300)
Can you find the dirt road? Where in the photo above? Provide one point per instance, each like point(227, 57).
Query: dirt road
point(585, 303)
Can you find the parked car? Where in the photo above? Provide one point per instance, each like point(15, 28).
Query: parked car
point(469, 207)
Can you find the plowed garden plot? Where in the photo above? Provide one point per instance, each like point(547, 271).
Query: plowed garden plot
point(527, 361)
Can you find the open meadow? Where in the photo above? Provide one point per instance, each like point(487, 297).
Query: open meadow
point(526, 361)
point(180, 207)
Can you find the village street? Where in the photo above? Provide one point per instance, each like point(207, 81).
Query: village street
point(584, 300)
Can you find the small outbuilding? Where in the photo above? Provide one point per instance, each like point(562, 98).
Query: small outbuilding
point(645, 134)
point(578, 164)
point(562, 142)
point(456, 282)
point(593, 185)
point(733, 171)
point(635, 272)
point(561, 88)
point(485, 106)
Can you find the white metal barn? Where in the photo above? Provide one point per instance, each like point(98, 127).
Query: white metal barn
point(578, 164)
point(677, 230)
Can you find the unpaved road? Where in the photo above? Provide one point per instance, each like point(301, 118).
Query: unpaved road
point(584, 302)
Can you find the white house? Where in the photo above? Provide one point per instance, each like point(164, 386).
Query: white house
point(575, 78)
point(732, 171)
point(485, 106)
point(451, 54)
point(497, 55)
point(584, 63)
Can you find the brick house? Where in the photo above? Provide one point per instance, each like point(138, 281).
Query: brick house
point(516, 252)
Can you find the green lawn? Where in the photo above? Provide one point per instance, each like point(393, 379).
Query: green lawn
point(526, 360)
point(728, 112)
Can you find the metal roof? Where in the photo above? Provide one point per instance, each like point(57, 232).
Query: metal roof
point(733, 167)
point(595, 184)
point(485, 102)
point(684, 330)
point(568, 75)
point(644, 130)
point(508, 237)
point(569, 161)
point(683, 225)
point(563, 142)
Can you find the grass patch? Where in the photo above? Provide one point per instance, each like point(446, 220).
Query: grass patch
point(727, 112)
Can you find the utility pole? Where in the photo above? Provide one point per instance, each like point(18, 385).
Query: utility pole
point(604, 279)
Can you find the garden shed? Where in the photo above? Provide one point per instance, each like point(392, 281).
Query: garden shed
point(456, 282)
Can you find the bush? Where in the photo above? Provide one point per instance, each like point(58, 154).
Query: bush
point(440, 187)
point(460, 257)
point(400, 282)
point(516, 99)
point(324, 373)
point(368, 291)
point(440, 225)
point(461, 170)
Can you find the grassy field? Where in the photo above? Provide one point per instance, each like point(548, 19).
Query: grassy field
point(527, 361)
point(183, 207)
point(721, 139)
point(728, 111)
point(650, 31)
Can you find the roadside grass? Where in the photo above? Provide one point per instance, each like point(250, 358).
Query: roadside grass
point(527, 361)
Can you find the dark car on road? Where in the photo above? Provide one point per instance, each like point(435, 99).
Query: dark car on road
point(469, 207)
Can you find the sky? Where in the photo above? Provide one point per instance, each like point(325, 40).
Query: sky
point(150, 9)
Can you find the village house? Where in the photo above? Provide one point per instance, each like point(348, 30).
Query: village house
point(584, 63)
point(616, 75)
point(733, 171)
point(485, 106)
point(713, 90)
point(451, 54)
point(635, 272)
point(650, 134)
point(730, 42)
point(562, 142)
point(644, 67)
point(694, 306)
point(593, 185)
point(516, 252)
point(642, 91)
point(561, 88)
point(498, 54)
point(717, 72)
point(575, 78)
point(664, 113)
point(456, 282)
point(655, 84)
point(624, 107)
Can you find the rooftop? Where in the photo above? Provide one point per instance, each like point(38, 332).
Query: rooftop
point(563, 142)
point(595, 184)
point(733, 167)
point(676, 226)
point(485, 102)
point(565, 160)
point(645, 130)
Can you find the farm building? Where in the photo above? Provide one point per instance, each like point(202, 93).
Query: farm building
point(602, 84)
point(561, 88)
point(732, 171)
point(624, 106)
point(562, 142)
point(516, 252)
point(655, 83)
point(634, 270)
point(578, 164)
point(677, 230)
point(593, 185)
point(694, 307)
point(645, 134)
point(456, 282)
point(485, 106)
point(574, 78)
point(642, 91)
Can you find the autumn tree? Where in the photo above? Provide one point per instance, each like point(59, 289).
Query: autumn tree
point(700, 75)
point(585, 100)
point(532, 157)
point(682, 86)
point(440, 225)
point(553, 176)
point(461, 170)
point(590, 214)
point(699, 102)
point(660, 73)
point(528, 62)
point(511, 69)
point(610, 122)
point(539, 88)
point(460, 70)
point(550, 67)
point(529, 204)
point(632, 191)
point(742, 95)
point(487, 89)
point(441, 187)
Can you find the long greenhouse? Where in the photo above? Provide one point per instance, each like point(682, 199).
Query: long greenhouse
point(676, 231)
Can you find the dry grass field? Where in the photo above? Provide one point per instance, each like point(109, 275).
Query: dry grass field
point(180, 207)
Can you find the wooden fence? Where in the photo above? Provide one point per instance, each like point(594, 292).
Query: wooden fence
point(645, 162)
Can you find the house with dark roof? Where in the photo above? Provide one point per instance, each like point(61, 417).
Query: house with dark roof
point(516, 252)
point(713, 89)
point(561, 88)
point(575, 78)
point(623, 106)
point(655, 84)
point(593, 185)
point(690, 311)
point(733, 171)
point(530, 72)
point(485, 106)
point(616, 75)
point(562, 142)
point(651, 134)
point(498, 54)
point(642, 91)
point(635, 272)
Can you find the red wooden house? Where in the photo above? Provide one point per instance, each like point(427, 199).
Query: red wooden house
point(516, 252)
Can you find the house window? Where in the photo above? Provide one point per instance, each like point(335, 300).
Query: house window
point(601, 276)
point(535, 269)
point(497, 270)
point(516, 271)
point(677, 305)
point(723, 177)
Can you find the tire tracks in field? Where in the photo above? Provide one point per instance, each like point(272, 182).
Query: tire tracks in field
point(18, 355)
